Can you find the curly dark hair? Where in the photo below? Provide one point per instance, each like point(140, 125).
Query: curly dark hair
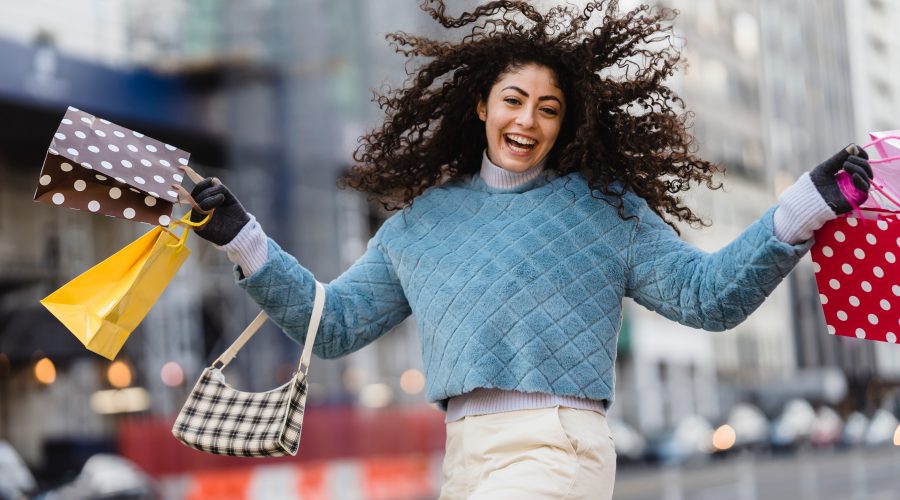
point(624, 128)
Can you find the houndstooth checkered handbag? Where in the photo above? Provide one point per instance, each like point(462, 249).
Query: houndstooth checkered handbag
point(216, 418)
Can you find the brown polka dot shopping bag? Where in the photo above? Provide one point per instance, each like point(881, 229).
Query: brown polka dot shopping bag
point(98, 166)
point(103, 305)
point(855, 256)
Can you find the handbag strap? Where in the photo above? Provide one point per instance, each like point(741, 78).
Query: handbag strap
point(318, 306)
point(253, 327)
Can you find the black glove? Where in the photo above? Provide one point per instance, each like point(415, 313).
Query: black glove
point(853, 160)
point(229, 217)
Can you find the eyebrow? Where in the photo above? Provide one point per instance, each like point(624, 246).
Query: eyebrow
point(541, 98)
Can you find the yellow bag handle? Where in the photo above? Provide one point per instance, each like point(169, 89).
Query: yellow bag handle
point(188, 224)
point(185, 197)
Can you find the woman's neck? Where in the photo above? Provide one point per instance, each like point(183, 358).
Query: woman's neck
point(498, 177)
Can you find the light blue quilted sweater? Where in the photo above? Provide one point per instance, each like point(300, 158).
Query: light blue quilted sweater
point(521, 289)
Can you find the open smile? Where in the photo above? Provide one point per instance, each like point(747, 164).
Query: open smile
point(519, 144)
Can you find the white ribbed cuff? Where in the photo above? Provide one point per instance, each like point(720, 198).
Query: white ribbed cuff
point(249, 249)
point(801, 211)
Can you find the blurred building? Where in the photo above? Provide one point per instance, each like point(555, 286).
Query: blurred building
point(44, 247)
point(876, 106)
point(674, 371)
point(810, 114)
point(270, 97)
point(771, 91)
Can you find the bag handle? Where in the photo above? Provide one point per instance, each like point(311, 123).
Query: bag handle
point(253, 327)
point(315, 317)
point(185, 197)
point(847, 188)
point(186, 222)
point(878, 141)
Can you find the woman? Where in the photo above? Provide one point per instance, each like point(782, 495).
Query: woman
point(538, 174)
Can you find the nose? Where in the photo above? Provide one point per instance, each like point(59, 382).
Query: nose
point(525, 118)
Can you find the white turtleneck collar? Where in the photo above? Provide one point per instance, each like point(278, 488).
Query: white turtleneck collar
point(500, 178)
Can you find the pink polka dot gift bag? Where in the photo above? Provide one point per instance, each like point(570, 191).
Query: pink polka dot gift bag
point(98, 166)
point(855, 256)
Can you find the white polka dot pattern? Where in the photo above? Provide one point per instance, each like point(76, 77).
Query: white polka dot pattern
point(859, 282)
point(68, 180)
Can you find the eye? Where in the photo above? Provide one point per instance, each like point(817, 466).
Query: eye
point(550, 111)
point(511, 100)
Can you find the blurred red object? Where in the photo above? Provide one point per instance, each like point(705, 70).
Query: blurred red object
point(328, 433)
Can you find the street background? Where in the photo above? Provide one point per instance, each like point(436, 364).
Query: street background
point(271, 96)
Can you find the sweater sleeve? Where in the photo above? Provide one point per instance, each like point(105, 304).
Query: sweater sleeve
point(713, 291)
point(361, 305)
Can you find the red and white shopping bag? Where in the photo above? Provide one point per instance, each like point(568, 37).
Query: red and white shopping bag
point(857, 275)
point(855, 256)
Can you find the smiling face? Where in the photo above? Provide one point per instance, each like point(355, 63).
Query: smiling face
point(522, 117)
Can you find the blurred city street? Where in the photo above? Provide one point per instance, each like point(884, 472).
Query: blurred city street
point(272, 97)
point(809, 475)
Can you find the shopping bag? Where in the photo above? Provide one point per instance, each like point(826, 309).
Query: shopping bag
point(98, 166)
point(103, 305)
point(854, 259)
point(886, 169)
point(854, 256)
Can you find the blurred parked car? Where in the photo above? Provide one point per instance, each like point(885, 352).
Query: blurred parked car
point(16, 480)
point(751, 428)
point(691, 440)
point(793, 426)
point(106, 477)
point(881, 429)
point(826, 428)
point(855, 429)
point(630, 445)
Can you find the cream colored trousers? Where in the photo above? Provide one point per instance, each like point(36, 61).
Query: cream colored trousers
point(558, 453)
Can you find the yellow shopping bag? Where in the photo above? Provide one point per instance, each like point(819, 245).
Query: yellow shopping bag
point(106, 303)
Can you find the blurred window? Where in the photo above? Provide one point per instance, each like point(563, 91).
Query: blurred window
point(694, 382)
point(877, 43)
point(883, 88)
point(746, 35)
point(665, 403)
point(715, 77)
point(744, 91)
point(707, 17)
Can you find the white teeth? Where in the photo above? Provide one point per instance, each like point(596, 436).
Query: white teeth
point(521, 139)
